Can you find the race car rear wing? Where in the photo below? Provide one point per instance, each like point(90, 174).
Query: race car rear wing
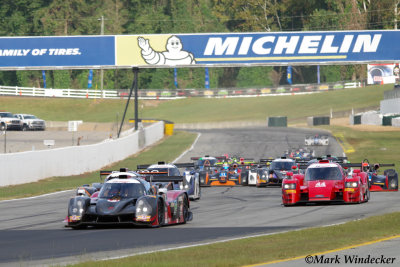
point(184, 165)
point(164, 178)
point(103, 173)
point(264, 161)
point(363, 164)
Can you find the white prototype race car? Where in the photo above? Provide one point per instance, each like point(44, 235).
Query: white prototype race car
point(316, 140)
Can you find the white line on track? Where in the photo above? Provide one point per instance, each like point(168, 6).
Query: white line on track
point(184, 153)
point(45, 195)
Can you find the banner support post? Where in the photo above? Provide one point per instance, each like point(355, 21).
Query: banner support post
point(134, 85)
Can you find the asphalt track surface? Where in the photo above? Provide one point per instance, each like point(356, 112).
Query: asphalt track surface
point(32, 231)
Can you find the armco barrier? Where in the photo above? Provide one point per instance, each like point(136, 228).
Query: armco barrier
point(391, 106)
point(25, 167)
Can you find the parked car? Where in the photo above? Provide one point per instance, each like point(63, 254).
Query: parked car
point(9, 122)
point(31, 122)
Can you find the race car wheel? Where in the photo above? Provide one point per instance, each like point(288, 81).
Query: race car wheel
point(198, 189)
point(160, 213)
point(185, 210)
point(367, 195)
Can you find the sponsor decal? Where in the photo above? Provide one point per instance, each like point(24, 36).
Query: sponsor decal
point(163, 50)
point(349, 189)
point(319, 184)
point(74, 218)
point(145, 218)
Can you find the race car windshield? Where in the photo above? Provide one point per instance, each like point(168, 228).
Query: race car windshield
point(283, 165)
point(325, 173)
point(121, 190)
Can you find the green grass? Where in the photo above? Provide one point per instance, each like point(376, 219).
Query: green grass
point(169, 149)
point(377, 147)
point(268, 248)
point(191, 110)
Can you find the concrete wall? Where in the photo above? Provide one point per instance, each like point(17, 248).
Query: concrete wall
point(396, 122)
point(391, 106)
point(31, 166)
point(371, 118)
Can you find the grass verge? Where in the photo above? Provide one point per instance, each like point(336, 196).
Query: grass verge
point(377, 147)
point(268, 248)
point(168, 149)
point(191, 110)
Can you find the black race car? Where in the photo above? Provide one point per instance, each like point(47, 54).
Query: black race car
point(131, 201)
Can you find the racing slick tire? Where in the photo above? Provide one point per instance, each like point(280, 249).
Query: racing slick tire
point(185, 210)
point(367, 195)
point(160, 213)
point(197, 190)
point(393, 180)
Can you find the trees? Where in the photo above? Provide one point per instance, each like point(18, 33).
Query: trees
point(81, 17)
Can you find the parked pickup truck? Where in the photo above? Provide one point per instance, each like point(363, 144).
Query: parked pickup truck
point(31, 122)
point(9, 122)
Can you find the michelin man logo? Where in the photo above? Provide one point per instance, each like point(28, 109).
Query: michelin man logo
point(174, 55)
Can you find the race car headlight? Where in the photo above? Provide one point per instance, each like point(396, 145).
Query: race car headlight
point(351, 184)
point(143, 208)
point(186, 186)
point(139, 206)
point(289, 186)
point(181, 186)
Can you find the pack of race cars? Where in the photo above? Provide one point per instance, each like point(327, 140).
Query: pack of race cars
point(159, 194)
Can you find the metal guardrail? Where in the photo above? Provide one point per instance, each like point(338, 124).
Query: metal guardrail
point(178, 93)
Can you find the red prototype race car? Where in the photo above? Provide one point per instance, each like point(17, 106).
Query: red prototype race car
point(325, 181)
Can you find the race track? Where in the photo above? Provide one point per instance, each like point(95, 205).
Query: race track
point(32, 231)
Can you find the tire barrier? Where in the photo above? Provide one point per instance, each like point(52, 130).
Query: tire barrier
point(277, 122)
point(314, 121)
point(355, 119)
